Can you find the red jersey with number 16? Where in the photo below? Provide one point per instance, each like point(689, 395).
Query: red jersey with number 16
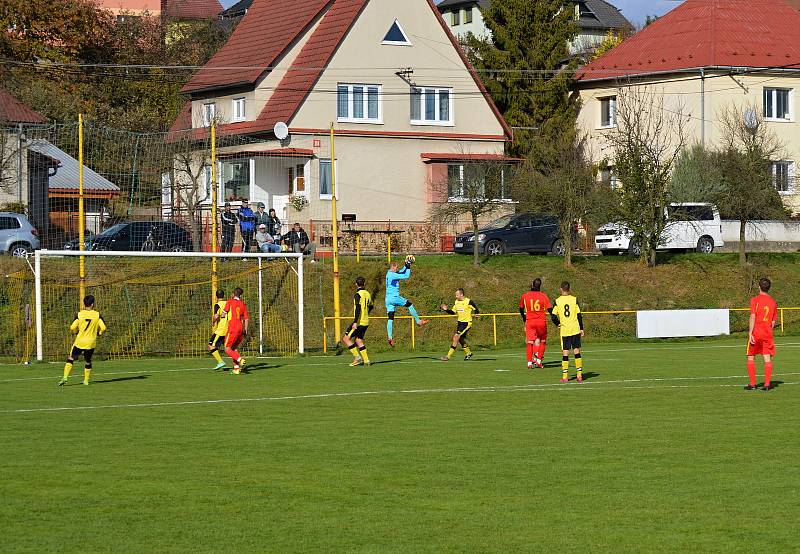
point(765, 309)
point(237, 313)
point(535, 304)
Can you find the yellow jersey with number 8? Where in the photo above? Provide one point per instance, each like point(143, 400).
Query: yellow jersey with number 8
point(567, 309)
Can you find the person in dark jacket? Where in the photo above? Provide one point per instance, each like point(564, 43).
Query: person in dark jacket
point(297, 241)
point(274, 225)
point(247, 225)
point(229, 221)
point(261, 216)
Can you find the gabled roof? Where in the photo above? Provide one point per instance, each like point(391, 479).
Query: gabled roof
point(14, 111)
point(267, 31)
point(66, 178)
point(599, 14)
point(191, 9)
point(268, 37)
point(707, 34)
point(237, 10)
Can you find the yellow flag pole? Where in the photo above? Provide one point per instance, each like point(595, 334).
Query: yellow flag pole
point(214, 199)
point(81, 214)
point(336, 307)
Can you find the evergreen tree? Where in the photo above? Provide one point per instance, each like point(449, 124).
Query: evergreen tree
point(525, 64)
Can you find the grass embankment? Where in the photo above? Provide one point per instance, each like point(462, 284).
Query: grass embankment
point(600, 283)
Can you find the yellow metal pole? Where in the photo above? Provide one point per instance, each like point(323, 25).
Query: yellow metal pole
point(781, 320)
point(214, 199)
point(494, 328)
point(358, 247)
point(81, 214)
point(324, 335)
point(389, 247)
point(413, 333)
point(336, 307)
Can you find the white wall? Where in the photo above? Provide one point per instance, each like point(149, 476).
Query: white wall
point(763, 231)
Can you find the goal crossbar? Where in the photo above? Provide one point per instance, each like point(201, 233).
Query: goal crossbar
point(39, 254)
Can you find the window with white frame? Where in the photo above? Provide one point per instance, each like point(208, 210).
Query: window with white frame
point(431, 106)
point(455, 17)
point(783, 176)
point(608, 112)
point(466, 181)
point(396, 36)
point(358, 103)
point(325, 179)
point(207, 180)
point(468, 14)
point(608, 176)
point(778, 104)
point(209, 113)
point(238, 110)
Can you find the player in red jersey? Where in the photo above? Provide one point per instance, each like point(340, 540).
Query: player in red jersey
point(238, 322)
point(762, 319)
point(533, 307)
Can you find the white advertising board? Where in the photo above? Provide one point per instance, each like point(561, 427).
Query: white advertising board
point(651, 324)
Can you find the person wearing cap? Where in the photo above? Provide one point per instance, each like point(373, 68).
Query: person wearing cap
point(229, 221)
point(261, 216)
point(247, 224)
point(265, 241)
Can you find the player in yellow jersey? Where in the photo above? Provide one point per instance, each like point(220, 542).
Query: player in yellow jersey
point(566, 314)
point(219, 328)
point(354, 338)
point(464, 309)
point(88, 325)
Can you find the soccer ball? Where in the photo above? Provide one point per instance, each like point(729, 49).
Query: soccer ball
point(410, 259)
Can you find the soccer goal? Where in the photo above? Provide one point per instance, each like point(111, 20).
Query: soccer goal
point(160, 303)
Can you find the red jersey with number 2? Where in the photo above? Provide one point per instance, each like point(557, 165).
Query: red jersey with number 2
point(765, 309)
point(535, 304)
point(237, 313)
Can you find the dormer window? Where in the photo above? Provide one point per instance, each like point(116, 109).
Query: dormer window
point(209, 113)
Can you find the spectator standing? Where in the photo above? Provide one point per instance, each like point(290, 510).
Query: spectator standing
point(229, 221)
point(274, 225)
point(297, 241)
point(265, 241)
point(261, 216)
point(247, 225)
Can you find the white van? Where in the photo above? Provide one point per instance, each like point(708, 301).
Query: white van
point(690, 226)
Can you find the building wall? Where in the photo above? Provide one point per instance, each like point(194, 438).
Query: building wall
point(684, 94)
point(477, 27)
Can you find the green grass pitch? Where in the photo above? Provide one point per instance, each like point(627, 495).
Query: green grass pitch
point(659, 450)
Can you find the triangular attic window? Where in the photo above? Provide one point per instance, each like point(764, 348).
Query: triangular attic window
point(396, 35)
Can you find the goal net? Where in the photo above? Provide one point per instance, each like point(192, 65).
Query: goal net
point(160, 303)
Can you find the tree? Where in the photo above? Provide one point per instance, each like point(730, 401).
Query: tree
point(566, 188)
point(474, 189)
point(747, 187)
point(191, 182)
point(526, 67)
point(11, 151)
point(610, 41)
point(646, 143)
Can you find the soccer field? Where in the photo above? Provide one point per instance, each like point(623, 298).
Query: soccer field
point(660, 449)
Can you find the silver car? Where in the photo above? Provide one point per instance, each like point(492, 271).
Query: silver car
point(17, 236)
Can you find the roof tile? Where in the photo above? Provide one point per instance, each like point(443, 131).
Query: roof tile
point(14, 111)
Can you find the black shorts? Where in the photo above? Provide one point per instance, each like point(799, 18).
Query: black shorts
point(463, 328)
point(358, 332)
point(217, 341)
point(571, 342)
point(87, 353)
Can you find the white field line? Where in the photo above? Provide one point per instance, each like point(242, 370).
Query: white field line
point(573, 386)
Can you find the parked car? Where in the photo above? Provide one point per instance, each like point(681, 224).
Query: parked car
point(690, 226)
point(515, 233)
point(17, 236)
point(137, 236)
point(88, 238)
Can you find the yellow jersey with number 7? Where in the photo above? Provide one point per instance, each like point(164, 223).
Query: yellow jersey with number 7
point(567, 309)
point(88, 325)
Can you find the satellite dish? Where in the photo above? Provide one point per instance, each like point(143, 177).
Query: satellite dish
point(750, 119)
point(281, 130)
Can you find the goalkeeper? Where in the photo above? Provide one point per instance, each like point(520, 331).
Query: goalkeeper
point(393, 297)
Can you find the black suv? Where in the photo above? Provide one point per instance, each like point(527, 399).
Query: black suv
point(144, 236)
point(515, 233)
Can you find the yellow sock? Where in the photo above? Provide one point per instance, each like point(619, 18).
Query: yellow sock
point(565, 365)
point(67, 369)
point(579, 365)
point(217, 357)
point(467, 351)
point(354, 351)
point(86, 372)
point(451, 352)
point(364, 355)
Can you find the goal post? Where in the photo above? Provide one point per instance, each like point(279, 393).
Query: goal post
point(160, 303)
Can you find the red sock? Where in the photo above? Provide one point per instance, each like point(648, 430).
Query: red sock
point(529, 352)
point(233, 354)
point(540, 351)
point(751, 371)
point(767, 373)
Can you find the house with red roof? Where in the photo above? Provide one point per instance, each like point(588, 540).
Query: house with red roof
point(406, 108)
point(184, 10)
point(702, 58)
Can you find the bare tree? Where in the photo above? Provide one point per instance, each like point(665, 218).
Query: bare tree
point(566, 187)
point(10, 150)
point(474, 189)
point(646, 143)
point(191, 183)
